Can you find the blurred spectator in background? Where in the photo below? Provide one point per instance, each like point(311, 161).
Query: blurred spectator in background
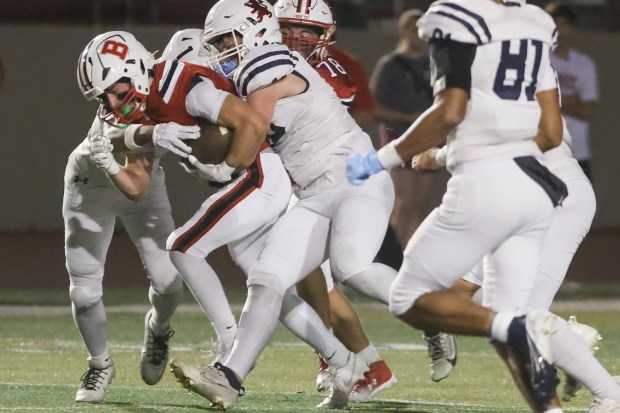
point(578, 83)
point(401, 89)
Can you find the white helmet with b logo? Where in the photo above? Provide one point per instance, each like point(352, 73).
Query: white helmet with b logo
point(311, 13)
point(110, 57)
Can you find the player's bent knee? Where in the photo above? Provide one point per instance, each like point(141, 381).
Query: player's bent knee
point(85, 288)
point(348, 265)
point(266, 280)
point(402, 299)
point(163, 276)
point(85, 296)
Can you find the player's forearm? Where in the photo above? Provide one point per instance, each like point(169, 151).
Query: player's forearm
point(134, 137)
point(550, 125)
point(245, 145)
point(133, 186)
point(429, 130)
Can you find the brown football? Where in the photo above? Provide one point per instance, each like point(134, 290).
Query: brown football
point(213, 144)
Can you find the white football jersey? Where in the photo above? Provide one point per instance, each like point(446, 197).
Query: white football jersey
point(511, 58)
point(81, 166)
point(312, 132)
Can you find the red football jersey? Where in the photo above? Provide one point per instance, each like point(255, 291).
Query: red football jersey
point(363, 98)
point(169, 89)
point(338, 78)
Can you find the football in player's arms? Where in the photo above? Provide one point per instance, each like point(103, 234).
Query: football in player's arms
point(213, 144)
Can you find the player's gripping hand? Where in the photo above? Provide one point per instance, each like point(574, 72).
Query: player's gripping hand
point(360, 167)
point(222, 172)
point(170, 136)
point(100, 150)
point(426, 161)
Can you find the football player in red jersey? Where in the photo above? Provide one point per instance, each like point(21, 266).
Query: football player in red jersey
point(177, 91)
point(307, 27)
point(119, 72)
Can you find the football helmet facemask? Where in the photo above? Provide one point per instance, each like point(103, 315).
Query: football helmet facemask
point(253, 20)
point(107, 59)
point(314, 14)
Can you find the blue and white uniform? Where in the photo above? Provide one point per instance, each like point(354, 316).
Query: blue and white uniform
point(496, 205)
point(569, 224)
point(313, 133)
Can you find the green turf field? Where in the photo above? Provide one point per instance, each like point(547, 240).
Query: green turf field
point(42, 359)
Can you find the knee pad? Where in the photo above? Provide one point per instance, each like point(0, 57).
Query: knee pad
point(86, 279)
point(404, 293)
point(85, 295)
point(266, 280)
point(349, 264)
point(163, 276)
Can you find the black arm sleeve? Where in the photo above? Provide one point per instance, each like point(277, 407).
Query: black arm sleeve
point(451, 64)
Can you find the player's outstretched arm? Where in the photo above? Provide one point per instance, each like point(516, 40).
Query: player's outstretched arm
point(143, 138)
point(550, 126)
point(428, 131)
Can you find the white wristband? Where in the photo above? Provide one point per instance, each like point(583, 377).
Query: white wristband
point(441, 155)
point(226, 169)
point(130, 132)
point(113, 169)
point(389, 157)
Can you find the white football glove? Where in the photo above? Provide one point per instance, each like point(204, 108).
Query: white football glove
point(221, 172)
point(100, 150)
point(169, 136)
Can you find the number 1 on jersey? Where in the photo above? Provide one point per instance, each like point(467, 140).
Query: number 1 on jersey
point(511, 71)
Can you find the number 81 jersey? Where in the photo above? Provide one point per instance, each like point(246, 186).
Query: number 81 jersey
point(508, 48)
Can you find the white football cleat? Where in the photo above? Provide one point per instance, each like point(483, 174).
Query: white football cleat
point(442, 352)
point(95, 382)
point(591, 338)
point(605, 406)
point(154, 356)
point(343, 380)
point(211, 382)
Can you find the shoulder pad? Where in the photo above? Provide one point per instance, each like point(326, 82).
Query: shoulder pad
point(458, 20)
point(263, 66)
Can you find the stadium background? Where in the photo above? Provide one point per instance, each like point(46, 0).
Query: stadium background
point(44, 116)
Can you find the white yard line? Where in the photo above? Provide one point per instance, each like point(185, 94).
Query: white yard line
point(54, 310)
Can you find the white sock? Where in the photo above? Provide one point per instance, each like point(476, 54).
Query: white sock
point(554, 410)
point(100, 362)
point(571, 355)
point(207, 289)
point(256, 325)
point(91, 322)
point(374, 282)
point(499, 326)
point(301, 319)
point(369, 354)
point(164, 306)
point(225, 332)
